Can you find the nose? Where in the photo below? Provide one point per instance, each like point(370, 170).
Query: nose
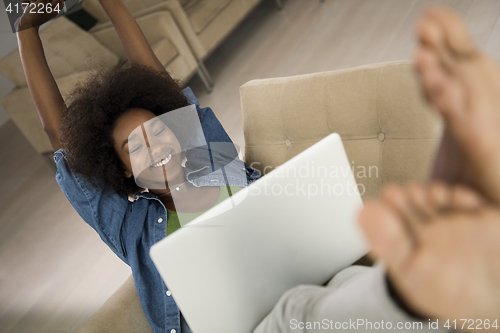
point(158, 146)
point(158, 151)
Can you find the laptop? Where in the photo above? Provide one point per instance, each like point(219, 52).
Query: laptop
point(296, 225)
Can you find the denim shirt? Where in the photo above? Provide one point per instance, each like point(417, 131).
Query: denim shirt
point(131, 227)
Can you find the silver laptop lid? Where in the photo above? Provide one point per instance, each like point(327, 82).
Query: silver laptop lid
point(296, 225)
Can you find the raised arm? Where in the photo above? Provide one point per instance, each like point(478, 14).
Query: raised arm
point(41, 84)
point(136, 46)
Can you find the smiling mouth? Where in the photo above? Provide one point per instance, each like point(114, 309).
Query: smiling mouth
point(163, 161)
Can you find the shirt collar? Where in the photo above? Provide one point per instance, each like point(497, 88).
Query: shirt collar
point(136, 196)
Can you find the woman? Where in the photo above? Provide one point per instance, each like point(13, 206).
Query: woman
point(92, 141)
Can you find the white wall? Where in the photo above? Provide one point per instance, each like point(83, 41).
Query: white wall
point(8, 42)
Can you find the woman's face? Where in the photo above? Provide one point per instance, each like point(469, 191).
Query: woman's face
point(148, 149)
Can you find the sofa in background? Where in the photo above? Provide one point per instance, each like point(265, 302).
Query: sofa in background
point(165, 39)
point(68, 50)
point(71, 51)
point(181, 33)
point(204, 23)
point(378, 111)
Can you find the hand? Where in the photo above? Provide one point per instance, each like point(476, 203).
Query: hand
point(36, 14)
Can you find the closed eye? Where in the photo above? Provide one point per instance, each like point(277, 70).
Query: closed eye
point(159, 132)
point(135, 149)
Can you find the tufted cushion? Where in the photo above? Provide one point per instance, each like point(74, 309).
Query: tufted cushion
point(67, 48)
point(202, 12)
point(385, 125)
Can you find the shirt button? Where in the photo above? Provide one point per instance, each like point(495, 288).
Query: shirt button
point(172, 331)
point(160, 220)
point(168, 293)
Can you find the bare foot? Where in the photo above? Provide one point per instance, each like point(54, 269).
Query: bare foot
point(464, 85)
point(441, 248)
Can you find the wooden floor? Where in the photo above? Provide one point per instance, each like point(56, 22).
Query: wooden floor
point(55, 271)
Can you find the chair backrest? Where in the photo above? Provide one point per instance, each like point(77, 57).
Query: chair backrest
point(389, 132)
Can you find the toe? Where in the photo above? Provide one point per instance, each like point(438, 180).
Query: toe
point(433, 78)
point(463, 198)
point(439, 196)
point(419, 201)
point(435, 67)
point(432, 36)
point(398, 199)
point(453, 29)
point(451, 101)
point(394, 196)
point(386, 233)
point(445, 198)
point(429, 33)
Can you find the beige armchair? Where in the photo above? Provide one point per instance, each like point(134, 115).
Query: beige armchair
point(378, 111)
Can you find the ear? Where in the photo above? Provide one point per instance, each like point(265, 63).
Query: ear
point(127, 173)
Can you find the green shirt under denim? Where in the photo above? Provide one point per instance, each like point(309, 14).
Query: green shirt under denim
point(175, 219)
